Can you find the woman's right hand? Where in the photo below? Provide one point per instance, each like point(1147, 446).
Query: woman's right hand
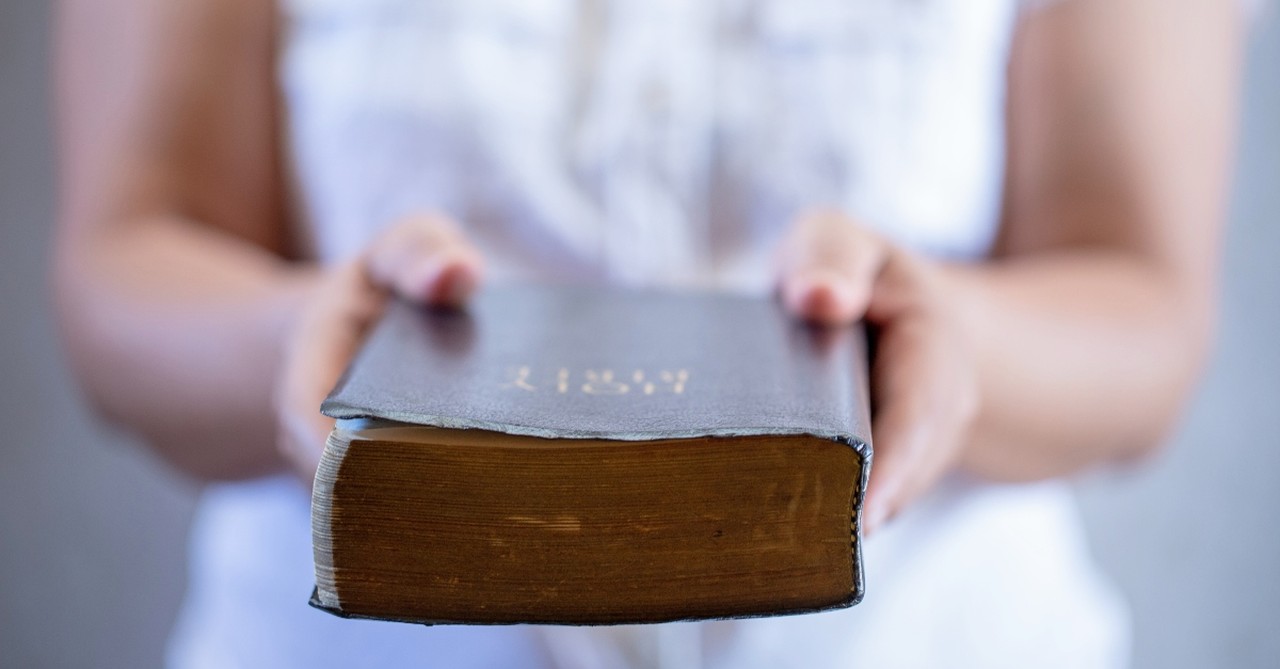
point(423, 258)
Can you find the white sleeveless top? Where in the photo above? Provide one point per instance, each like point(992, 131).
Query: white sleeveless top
point(661, 142)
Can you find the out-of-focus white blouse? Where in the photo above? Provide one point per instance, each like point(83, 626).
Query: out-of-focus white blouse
point(655, 141)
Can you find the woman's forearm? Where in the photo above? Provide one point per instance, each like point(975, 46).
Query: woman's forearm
point(1092, 325)
point(175, 330)
point(1083, 356)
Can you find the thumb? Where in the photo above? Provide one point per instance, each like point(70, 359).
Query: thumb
point(425, 258)
point(827, 266)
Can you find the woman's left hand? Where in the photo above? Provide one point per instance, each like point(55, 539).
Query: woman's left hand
point(924, 383)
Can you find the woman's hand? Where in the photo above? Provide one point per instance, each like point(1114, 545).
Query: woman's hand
point(924, 381)
point(421, 258)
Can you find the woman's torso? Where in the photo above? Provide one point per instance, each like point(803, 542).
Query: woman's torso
point(660, 142)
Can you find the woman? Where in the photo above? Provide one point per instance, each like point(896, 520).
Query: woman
point(1026, 199)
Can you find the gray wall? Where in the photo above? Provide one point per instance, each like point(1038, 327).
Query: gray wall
point(92, 546)
point(92, 531)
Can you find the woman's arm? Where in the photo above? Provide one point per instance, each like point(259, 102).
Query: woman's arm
point(1078, 343)
point(172, 293)
point(184, 317)
point(1094, 322)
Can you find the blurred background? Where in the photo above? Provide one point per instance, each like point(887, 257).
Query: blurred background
point(92, 531)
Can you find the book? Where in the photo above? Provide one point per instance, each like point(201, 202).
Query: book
point(574, 455)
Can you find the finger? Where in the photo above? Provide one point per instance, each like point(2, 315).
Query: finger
point(904, 425)
point(425, 259)
point(827, 267)
point(327, 336)
point(925, 392)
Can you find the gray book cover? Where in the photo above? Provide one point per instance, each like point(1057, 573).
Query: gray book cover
point(595, 363)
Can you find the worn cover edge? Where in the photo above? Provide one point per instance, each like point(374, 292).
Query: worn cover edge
point(342, 411)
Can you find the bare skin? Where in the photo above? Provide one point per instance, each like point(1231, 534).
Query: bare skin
point(190, 319)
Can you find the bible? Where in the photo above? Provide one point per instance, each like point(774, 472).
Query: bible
point(573, 455)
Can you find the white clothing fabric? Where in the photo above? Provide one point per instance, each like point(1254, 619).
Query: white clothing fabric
point(661, 142)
